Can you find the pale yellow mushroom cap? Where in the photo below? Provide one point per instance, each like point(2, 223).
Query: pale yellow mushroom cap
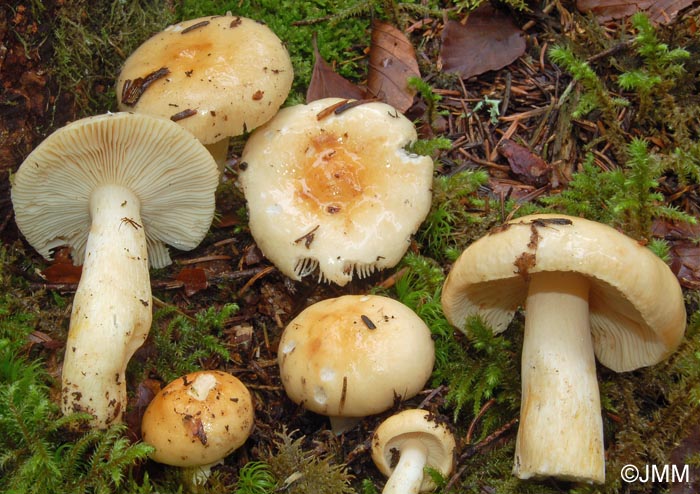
point(354, 355)
point(636, 308)
point(337, 192)
point(414, 425)
point(217, 76)
point(198, 419)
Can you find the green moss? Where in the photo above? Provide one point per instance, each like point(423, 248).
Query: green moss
point(300, 471)
point(92, 40)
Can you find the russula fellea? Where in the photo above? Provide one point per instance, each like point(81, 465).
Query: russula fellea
point(115, 188)
point(353, 356)
point(330, 185)
point(419, 441)
point(217, 76)
point(198, 419)
point(588, 291)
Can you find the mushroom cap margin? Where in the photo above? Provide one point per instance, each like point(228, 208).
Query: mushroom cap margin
point(637, 312)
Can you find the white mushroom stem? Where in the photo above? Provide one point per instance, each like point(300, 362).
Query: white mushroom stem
point(561, 430)
point(407, 476)
point(111, 313)
point(219, 151)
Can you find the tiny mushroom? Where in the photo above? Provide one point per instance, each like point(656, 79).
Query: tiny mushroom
point(197, 420)
point(114, 188)
point(588, 290)
point(217, 76)
point(331, 185)
point(353, 356)
point(420, 441)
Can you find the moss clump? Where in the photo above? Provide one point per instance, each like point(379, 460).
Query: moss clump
point(299, 471)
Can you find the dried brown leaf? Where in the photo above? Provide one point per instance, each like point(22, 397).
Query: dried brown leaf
point(529, 167)
point(489, 40)
point(193, 279)
point(392, 60)
point(662, 11)
point(62, 269)
point(327, 83)
point(685, 251)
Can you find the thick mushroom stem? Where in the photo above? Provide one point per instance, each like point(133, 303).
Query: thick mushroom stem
point(111, 314)
point(407, 476)
point(561, 430)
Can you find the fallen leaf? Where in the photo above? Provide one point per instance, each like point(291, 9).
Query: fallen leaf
point(392, 60)
point(327, 83)
point(682, 457)
point(684, 250)
point(193, 279)
point(662, 11)
point(529, 167)
point(62, 269)
point(489, 40)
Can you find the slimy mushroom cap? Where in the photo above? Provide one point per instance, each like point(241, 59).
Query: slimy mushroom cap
point(335, 191)
point(217, 76)
point(355, 355)
point(198, 419)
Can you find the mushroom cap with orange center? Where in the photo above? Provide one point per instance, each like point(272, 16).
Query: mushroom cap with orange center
point(217, 76)
point(335, 190)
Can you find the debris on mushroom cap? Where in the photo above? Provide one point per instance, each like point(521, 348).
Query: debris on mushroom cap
point(637, 313)
point(170, 172)
point(217, 76)
point(414, 425)
point(354, 355)
point(335, 190)
point(198, 419)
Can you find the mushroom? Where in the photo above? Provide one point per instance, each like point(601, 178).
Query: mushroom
point(197, 420)
point(217, 76)
point(114, 188)
point(420, 442)
point(353, 356)
point(330, 185)
point(588, 291)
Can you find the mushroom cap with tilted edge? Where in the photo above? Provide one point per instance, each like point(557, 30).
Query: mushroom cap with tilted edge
point(198, 419)
point(354, 355)
point(172, 175)
point(587, 290)
point(330, 185)
point(636, 307)
point(217, 76)
point(413, 428)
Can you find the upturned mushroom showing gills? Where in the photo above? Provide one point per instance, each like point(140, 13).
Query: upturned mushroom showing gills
point(198, 419)
point(115, 188)
point(419, 441)
point(217, 76)
point(587, 291)
point(331, 187)
point(353, 356)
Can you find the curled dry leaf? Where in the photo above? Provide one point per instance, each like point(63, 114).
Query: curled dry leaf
point(684, 251)
point(529, 167)
point(662, 11)
point(327, 83)
point(62, 269)
point(392, 60)
point(489, 40)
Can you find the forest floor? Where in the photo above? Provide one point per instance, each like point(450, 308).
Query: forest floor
point(522, 136)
